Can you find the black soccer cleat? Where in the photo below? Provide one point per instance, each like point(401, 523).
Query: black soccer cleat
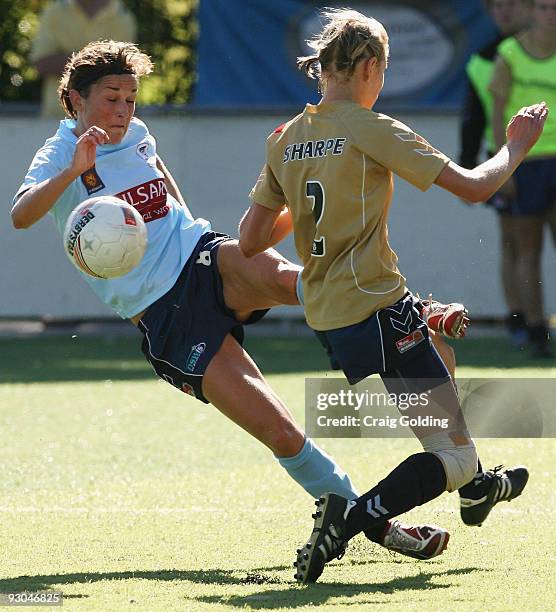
point(327, 539)
point(488, 489)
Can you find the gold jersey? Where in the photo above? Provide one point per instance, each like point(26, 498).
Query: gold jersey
point(332, 167)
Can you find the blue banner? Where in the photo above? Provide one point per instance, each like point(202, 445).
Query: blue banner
point(248, 48)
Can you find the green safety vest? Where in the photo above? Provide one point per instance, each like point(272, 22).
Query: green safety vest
point(533, 80)
point(479, 70)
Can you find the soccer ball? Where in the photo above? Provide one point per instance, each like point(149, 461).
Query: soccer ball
point(105, 237)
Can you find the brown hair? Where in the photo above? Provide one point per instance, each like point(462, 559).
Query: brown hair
point(97, 60)
point(346, 38)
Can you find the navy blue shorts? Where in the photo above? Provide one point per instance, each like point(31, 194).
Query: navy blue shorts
point(394, 342)
point(536, 187)
point(185, 328)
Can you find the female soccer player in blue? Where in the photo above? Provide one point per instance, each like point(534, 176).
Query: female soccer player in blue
point(194, 288)
point(329, 175)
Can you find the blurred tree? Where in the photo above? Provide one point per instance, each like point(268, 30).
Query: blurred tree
point(18, 23)
point(167, 32)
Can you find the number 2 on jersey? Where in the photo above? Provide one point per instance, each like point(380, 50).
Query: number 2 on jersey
point(315, 191)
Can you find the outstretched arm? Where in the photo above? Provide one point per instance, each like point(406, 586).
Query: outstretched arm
point(261, 228)
point(34, 203)
point(480, 183)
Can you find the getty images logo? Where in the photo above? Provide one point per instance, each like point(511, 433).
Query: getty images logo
point(196, 351)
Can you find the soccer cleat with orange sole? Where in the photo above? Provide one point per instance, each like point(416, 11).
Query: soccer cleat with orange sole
point(420, 542)
point(450, 320)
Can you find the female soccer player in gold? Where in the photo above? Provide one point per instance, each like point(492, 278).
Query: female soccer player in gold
point(328, 175)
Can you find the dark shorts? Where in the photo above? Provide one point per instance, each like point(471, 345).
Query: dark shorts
point(394, 342)
point(185, 328)
point(536, 187)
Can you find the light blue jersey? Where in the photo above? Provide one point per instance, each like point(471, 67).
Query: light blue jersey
point(127, 170)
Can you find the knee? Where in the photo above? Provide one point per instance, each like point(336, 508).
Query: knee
point(285, 281)
point(285, 441)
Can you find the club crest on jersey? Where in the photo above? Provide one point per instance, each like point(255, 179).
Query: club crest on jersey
point(411, 341)
point(143, 150)
point(196, 351)
point(92, 181)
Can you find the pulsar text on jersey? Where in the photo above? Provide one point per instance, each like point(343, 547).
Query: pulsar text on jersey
point(149, 199)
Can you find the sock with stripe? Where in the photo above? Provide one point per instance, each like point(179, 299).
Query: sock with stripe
point(414, 482)
point(317, 472)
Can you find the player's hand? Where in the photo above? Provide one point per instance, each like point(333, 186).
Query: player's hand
point(526, 126)
point(86, 149)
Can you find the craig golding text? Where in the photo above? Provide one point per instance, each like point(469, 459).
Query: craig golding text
point(381, 422)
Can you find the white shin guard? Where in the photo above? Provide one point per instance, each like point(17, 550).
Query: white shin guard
point(459, 460)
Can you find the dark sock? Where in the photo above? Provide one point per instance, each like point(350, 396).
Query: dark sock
point(415, 481)
point(376, 532)
point(470, 489)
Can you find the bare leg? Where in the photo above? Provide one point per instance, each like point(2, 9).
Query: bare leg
point(445, 351)
point(530, 247)
point(233, 383)
point(509, 262)
point(258, 282)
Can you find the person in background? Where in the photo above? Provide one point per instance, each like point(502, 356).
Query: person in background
point(525, 70)
point(65, 27)
point(510, 16)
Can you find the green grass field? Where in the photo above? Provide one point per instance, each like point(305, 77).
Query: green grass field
point(126, 494)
